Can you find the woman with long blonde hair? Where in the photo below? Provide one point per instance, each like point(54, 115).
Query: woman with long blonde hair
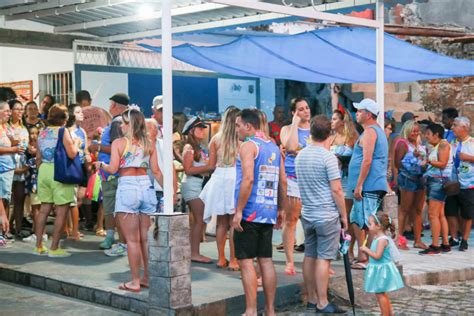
point(408, 160)
point(218, 194)
point(342, 143)
point(131, 156)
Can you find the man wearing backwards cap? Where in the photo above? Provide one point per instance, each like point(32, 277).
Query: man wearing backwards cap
point(367, 172)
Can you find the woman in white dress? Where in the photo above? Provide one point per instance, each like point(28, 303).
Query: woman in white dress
point(218, 194)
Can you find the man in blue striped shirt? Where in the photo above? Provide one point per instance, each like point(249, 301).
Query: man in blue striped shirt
point(323, 212)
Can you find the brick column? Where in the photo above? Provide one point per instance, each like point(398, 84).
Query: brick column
point(170, 266)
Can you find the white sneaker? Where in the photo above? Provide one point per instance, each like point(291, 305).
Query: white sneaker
point(32, 238)
point(116, 250)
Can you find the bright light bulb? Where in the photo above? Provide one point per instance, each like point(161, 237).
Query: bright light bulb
point(145, 12)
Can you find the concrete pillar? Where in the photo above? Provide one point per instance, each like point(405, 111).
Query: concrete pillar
point(390, 207)
point(170, 266)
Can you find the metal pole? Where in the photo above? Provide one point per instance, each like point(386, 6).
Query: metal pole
point(167, 73)
point(379, 61)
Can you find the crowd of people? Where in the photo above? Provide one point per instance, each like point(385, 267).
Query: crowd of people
point(316, 175)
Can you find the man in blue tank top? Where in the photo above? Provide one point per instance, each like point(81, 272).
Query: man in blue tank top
point(367, 171)
point(259, 196)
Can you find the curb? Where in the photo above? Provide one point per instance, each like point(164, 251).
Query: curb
point(285, 295)
point(440, 277)
point(82, 293)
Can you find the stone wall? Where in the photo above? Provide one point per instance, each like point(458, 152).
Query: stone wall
point(435, 95)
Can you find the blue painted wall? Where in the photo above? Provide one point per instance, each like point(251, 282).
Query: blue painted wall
point(197, 93)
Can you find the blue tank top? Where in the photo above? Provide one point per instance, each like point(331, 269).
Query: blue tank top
point(105, 157)
point(262, 205)
point(377, 178)
point(79, 133)
point(303, 139)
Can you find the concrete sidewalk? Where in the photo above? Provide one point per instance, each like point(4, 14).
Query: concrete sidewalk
point(91, 276)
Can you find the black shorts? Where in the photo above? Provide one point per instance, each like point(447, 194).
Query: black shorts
point(254, 242)
point(461, 204)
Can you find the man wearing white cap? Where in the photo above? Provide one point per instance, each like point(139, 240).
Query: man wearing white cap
point(367, 172)
point(157, 109)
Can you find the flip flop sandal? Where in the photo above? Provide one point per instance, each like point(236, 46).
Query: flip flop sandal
point(4, 244)
point(417, 246)
point(124, 287)
point(359, 266)
point(289, 271)
point(202, 262)
point(222, 266)
point(100, 233)
point(143, 285)
point(233, 268)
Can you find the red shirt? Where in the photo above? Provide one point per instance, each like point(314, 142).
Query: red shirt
point(275, 130)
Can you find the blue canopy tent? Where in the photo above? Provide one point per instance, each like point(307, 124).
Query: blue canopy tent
point(332, 55)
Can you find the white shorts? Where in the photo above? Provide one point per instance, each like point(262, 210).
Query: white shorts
point(292, 188)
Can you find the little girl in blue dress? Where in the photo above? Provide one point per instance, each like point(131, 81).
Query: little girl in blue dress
point(381, 275)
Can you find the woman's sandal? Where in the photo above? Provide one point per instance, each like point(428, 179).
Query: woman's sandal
point(124, 287)
point(359, 266)
point(402, 243)
point(222, 266)
point(420, 246)
point(290, 271)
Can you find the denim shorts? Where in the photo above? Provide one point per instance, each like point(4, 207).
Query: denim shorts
point(321, 238)
point(135, 195)
point(6, 182)
point(410, 183)
point(368, 206)
point(435, 190)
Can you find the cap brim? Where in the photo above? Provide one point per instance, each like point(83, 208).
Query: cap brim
point(357, 106)
point(202, 125)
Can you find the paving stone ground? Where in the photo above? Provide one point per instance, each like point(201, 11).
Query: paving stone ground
point(90, 269)
point(450, 299)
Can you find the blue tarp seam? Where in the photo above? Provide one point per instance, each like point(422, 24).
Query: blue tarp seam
point(219, 64)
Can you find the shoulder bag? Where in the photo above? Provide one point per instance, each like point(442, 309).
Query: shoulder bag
point(66, 170)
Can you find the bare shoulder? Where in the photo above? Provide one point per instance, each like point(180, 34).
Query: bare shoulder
point(285, 129)
point(187, 147)
point(119, 142)
point(247, 148)
point(215, 140)
point(444, 144)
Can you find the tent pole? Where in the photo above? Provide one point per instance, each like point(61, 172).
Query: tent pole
point(379, 61)
point(167, 73)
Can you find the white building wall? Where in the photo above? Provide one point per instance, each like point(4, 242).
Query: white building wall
point(18, 64)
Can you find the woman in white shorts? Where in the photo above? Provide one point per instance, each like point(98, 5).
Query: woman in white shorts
point(135, 199)
point(218, 194)
point(196, 167)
